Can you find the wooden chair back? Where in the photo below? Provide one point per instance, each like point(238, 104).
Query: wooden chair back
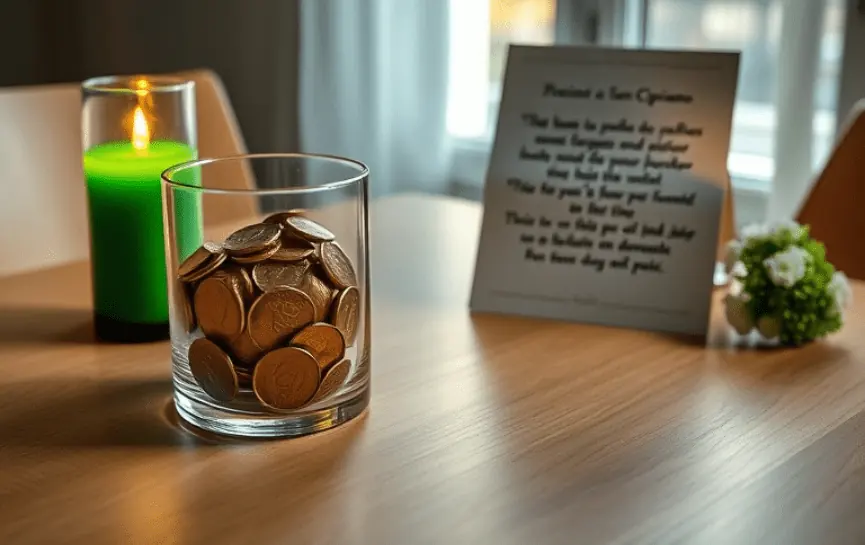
point(834, 206)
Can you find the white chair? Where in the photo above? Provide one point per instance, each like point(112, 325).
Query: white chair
point(43, 206)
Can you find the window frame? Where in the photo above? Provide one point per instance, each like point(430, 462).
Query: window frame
point(585, 22)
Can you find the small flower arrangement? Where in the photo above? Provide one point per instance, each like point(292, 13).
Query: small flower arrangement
point(782, 284)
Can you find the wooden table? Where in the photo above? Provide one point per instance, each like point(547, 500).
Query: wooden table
point(482, 429)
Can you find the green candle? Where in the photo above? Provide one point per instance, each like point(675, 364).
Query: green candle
point(127, 249)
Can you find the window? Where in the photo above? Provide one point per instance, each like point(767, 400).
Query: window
point(480, 33)
point(790, 68)
point(755, 27)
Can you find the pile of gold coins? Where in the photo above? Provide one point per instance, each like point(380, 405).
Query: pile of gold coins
point(278, 304)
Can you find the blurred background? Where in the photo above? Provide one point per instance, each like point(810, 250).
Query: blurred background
point(412, 86)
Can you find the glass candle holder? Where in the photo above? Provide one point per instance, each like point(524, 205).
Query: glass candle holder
point(133, 128)
point(270, 322)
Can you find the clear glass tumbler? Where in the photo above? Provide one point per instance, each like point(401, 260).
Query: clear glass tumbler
point(269, 307)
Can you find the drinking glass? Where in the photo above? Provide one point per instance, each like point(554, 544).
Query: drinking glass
point(269, 309)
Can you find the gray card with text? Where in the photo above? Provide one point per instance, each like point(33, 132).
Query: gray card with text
point(605, 187)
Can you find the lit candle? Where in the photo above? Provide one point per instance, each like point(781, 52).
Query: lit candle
point(127, 250)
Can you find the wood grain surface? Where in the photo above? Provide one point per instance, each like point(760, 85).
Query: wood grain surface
point(482, 429)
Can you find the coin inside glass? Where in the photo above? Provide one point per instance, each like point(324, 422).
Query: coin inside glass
point(238, 278)
point(271, 276)
point(272, 317)
point(257, 257)
point(219, 309)
point(289, 254)
point(345, 313)
point(244, 378)
point(244, 350)
point(308, 229)
point(332, 381)
point(337, 265)
point(204, 269)
point(280, 217)
point(320, 293)
point(199, 259)
point(252, 239)
point(277, 314)
point(213, 370)
point(323, 341)
point(286, 378)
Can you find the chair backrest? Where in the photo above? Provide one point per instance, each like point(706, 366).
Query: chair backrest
point(833, 207)
point(43, 206)
point(219, 136)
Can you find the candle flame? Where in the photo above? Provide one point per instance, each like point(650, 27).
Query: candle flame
point(140, 130)
point(142, 86)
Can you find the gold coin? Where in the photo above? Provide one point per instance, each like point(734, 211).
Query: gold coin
point(288, 254)
point(277, 314)
point(337, 265)
point(252, 239)
point(244, 350)
point(316, 255)
point(182, 294)
point(276, 218)
point(237, 278)
point(286, 378)
point(280, 217)
point(244, 378)
point(323, 341)
point(332, 381)
point(213, 370)
point(200, 259)
point(211, 266)
point(308, 229)
point(345, 313)
point(320, 293)
point(219, 309)
point(257, 257)
point(293, 249)
point(271, 276)
point(186, 272)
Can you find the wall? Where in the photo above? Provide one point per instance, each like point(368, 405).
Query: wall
point(252, 45)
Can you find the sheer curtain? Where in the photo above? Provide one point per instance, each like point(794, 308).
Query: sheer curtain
point(374, 79)
point(796, 135)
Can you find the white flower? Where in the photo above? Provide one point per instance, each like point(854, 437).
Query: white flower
point(787, 267)
point(758, 232)
point(754, 232)
point(769, 327)
point(738, 315)
point(737, 289)
point(840, 289)
point(784, 225)
point(738, 270)
point(734, 249)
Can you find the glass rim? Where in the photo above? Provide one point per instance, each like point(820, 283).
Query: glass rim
point(122, 85)
point(363, 173)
